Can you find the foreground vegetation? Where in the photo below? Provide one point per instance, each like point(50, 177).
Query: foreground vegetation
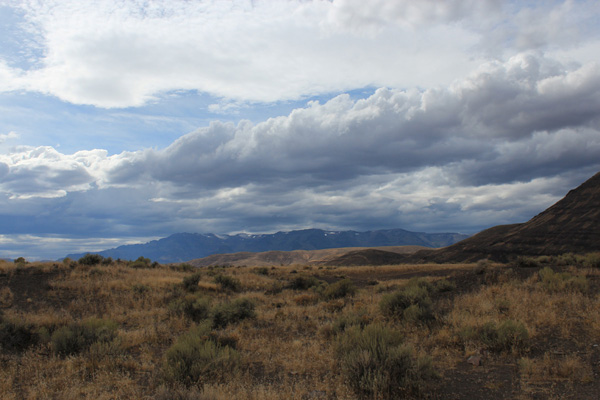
point(104, 329)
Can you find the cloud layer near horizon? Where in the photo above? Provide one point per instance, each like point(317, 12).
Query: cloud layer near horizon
point(497, 145)
point(478, 113)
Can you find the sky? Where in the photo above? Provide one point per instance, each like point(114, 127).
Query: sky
point(123, 121)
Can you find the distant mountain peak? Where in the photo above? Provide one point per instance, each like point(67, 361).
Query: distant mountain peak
point(181, 247)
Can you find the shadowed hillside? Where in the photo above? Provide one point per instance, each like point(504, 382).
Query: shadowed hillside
point(570, 225)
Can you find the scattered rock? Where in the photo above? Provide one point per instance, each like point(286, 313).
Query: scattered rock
point(475, 360)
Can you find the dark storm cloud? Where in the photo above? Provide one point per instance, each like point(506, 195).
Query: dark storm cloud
point(495, 147)
point(520, 120)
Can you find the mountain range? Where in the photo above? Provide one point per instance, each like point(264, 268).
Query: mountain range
point(182, 247)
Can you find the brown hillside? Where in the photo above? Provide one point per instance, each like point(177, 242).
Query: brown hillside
point(570, 225)
point(270, 258)
point(369, 257)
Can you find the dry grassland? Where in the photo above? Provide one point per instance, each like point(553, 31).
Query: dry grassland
point(73, 331)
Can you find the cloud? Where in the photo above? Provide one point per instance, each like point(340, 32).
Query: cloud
point(352, 15)
point(44, 172)
point(497, 146)
point(127, 54)
point(8, 136)
point(53, 247)
point(501, 115)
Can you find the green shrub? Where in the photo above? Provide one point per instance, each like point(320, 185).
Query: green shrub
point(566, 259)
point(416, 313)
point(376, 364)
point(16, 337)
point(562, 281)
point(344, 322)
point(66, 341)
point(261, 271)
point(139, 289)
point(190, 283)
point(91, 259)
point(194, 307)
point(592, 260)
point(527, 262)
point(508, 336)
point(411, 303)
point(96, 272)
point(512, 335)
point(228, 283)
point(75, 338)
point(444, 285)
point(231, 312)
point(185, 267)
point(303, 283)
point(196, 358)
point(339, 289)
point(20, 261)
point(141, 262)
point(420, 283)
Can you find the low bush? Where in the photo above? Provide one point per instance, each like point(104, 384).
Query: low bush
point(142, 262)
point(444, 285)
point(6, 297)
point(306, 299)
point(231, 312)
point(592, 260)
point(377, 365)
point(16, 337)
point(303, 283)
point(562, 281)
point(228, 283)
point(190, 283)
point(507, 336)
point(91, 259)
point(21, 261)
point(340, 289)
point(412, 303)
point(75, 338)
point(139, 289)
point(344, 322)
point(567, 259)
point(527, 262)
point(195, 307)
point(197, 358)
point(261, 271)
point(184, 267)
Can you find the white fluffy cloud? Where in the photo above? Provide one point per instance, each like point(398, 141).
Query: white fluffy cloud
point(490, 148)
point(8, 136)
point(121, 54)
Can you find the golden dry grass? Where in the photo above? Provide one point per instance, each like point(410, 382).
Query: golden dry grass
point(287, 350)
